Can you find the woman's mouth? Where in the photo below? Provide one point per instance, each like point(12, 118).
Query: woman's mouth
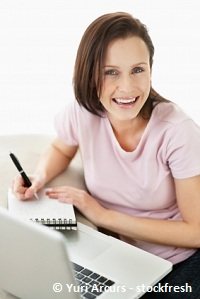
point(125, 102)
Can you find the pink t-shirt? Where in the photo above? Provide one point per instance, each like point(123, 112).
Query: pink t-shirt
point(140, 182)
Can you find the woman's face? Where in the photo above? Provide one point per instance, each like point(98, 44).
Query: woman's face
point(126, 78)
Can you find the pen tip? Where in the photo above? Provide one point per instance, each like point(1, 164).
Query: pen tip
point(36, 196)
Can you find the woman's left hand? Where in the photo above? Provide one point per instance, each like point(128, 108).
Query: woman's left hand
point(84, 202)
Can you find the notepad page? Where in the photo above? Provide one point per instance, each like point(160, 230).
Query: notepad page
point(45, 207)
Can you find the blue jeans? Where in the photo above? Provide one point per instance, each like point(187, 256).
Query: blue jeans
point(183, 282)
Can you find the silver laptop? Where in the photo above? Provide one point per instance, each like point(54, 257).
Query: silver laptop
point(37, 262)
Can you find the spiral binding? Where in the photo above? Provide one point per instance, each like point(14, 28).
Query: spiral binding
point(58, 224)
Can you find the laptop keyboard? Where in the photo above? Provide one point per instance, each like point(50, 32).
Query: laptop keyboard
point(91, 284)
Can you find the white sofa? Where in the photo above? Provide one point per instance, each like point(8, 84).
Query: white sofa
point(28, 148)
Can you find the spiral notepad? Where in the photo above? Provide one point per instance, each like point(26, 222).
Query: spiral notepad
point(49, 212)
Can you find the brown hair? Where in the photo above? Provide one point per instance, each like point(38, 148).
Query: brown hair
point(91, 53)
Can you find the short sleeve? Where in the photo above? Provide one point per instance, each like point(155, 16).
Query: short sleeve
point(66, 124)
point(183, 149)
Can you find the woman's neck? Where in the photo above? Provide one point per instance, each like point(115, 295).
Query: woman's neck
point(129, 133)
point(132, 126)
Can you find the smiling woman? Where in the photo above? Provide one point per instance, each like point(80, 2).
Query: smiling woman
point(140, 151)
point(94, 50)
point(126, 82)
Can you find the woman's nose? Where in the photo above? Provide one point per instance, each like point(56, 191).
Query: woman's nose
point(125, 84)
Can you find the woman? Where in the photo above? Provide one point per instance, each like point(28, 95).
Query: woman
point(140, 152)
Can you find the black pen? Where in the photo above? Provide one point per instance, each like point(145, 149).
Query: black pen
point(27, 182)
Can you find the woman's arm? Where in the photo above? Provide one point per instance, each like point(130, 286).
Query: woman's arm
point(54, 161)
point(180, 233)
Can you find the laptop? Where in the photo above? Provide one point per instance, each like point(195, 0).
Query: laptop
point(37, 262)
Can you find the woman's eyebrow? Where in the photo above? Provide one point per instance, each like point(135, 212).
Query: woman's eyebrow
point(134, 65)
point(113, 66)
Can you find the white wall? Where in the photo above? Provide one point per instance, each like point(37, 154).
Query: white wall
point(38, 43)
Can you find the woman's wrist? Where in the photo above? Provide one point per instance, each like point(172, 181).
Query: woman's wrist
point(104, 218)
point(41, 178)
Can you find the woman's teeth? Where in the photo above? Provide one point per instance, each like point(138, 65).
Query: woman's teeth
point(124, 101)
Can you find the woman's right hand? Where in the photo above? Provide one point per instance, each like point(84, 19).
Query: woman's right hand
point(24, 193)
point(45, 171)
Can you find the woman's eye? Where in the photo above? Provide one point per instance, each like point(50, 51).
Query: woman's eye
point(111, 72)
point(137, 70)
